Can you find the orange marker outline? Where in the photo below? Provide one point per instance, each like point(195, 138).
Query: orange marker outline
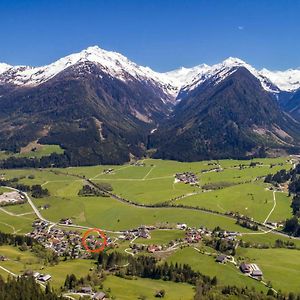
point(101, 234)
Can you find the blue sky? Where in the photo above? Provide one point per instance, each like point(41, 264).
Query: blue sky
point(162, 34)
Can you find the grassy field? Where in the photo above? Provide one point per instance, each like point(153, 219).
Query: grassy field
point(237, 175)
point(124, 289)
point(150, 191)
point(268, 239)
point(161, 237)
point(19, 261)
point(15, 224)
point(227, 274)
point(154, 183)
point(3, 190)
point(249, 199)
point(280, 266)
point(34, 150)
point(107, 213)
point(150, 184)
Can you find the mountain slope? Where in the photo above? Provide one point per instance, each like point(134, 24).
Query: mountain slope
point(97, 118)
point(103, 108)
point(229, 117)
point(292, 106)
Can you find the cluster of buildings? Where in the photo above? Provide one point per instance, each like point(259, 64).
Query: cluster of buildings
point(138, 164)
point(66, 221)
point(252, 270)
point(187, 178)
point(87, 290)
point(140, 232)
point(193, 235)
point(230, 235)
point(62, 242)
point(108, 171)
point(3, 258)
point(37, 276)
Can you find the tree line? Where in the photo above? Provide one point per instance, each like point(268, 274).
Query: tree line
point(36, 190)
point(24, 289)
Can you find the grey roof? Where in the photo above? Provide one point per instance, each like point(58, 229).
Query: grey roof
point(99, 296)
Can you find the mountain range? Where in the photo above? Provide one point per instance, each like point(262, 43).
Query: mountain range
point(103, 108)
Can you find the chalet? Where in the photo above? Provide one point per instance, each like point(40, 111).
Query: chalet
point(187, 178)
point(66, 221)
point(221, 259)
point(44, 278)
point(36, 275)
point(85, 290)
point(245, 268)
point(99, 296)
point(154, 248)
point(144, 233)
point(181, 226)
point(252, 270)
point(108, 171)
point(255, 271)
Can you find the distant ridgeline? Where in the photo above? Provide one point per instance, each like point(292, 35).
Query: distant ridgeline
point(292, 178)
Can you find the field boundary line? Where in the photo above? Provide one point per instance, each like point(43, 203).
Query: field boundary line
point(273, 208)
point(144, 178)
point(121, 168)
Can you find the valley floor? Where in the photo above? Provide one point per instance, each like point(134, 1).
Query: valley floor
point(155, 193)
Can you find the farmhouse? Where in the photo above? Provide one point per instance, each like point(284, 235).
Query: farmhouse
point(99, 296)
point(36, 275)
point(193, 235)
point(181, 226)
point(221, 259)
point(108, 171)
point(255, 271)
point(187, 178)
point(245, 268)
point(154, 248)
point(143, 232)
point(66, 221)
point(44, 278)
point(85, 290)
point(251, 269)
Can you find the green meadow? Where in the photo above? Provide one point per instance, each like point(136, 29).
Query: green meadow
point(244, 192)
point(280, 266)
point(249, 199)
point(37, 152)
point(137, 288)
point(154, 183)
point(227, 274)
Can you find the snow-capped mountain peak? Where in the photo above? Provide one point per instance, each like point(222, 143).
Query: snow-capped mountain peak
point(288, 80)
point(113, 63)
point(220, 71)
point(183, 76)
point(4, 67)
point(120, 67)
